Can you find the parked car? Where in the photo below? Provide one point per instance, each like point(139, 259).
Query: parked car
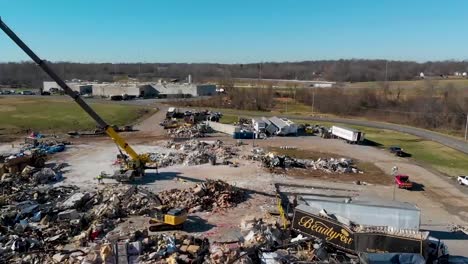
point(394, 149)
point(398, 152)
point(403, 182)
point(45, 93)
point(6, 92)
point(462, 180)
point(26, 93)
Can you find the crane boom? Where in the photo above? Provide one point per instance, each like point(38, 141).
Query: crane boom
point(76, 97)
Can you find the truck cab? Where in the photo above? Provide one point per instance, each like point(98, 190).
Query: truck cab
point(403, 182)
point(462, 180)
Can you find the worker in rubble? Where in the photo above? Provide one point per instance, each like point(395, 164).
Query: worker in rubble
point(99, 178)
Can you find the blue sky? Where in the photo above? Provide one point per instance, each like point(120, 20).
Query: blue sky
point(236, 31)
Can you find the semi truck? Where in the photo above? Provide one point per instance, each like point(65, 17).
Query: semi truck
point(351, 136)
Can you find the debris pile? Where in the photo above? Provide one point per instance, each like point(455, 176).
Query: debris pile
point(261, 232)
point(459, 228)
point(175, 248)
point(167, 159)
point(330, 165)
point(210, 195)
point(194, 152)
point(47, 146)
point(195, 131)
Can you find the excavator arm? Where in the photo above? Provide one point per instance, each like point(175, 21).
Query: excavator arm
point(76, 97)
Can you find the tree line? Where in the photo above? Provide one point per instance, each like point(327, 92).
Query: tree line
point(433, 107)
point(27, 74)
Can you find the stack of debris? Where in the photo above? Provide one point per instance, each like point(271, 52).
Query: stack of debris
point(46, 146)
point(331, 165)
point(261, 232)
point(195, 152)
point(167, 159)
point(175, 248)
point(196, 131)
point(210, 195)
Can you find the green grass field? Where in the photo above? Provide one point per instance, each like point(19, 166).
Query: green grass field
point(60, 115)
point(416, 85)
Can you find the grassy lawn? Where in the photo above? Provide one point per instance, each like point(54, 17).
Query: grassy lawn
point(60, 115)
point(415, 87)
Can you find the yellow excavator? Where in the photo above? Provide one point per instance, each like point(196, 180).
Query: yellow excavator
point(132, 165)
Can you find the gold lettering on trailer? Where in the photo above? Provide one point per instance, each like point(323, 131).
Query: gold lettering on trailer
point(329, 232)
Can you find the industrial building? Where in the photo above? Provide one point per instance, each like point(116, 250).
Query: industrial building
point(82, 88)
point(129, 89)
point(142, 90)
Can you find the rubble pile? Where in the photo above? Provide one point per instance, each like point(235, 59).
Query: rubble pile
point(210, 195)
point(167, 159)
point(196, 131)
point(262, 232)
point(44, 145)
point(37, 221)
point(194, 152)
point(31, 221)
point(266, 242)
point(330, 165)
point(117, 201)
point(175, 248)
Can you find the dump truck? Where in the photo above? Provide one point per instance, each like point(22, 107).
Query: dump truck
point(351, 136)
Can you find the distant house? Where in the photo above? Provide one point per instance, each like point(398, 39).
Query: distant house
point(259, 124)
point(285, 126)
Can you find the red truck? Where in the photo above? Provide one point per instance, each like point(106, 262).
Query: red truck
point(403, 182)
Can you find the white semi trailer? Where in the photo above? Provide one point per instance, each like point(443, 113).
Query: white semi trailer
point(351, 136)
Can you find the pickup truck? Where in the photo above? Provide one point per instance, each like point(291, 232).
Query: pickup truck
point(403, 182)
point(462, 180)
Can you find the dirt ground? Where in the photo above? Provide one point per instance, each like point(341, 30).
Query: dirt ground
point(440, 202)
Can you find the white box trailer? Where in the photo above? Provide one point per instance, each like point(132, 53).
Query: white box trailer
point(352, 136)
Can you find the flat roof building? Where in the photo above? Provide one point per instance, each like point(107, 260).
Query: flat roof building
point(137, 89)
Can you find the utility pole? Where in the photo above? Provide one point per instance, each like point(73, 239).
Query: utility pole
point(466, 126)
point(313, 100)
point(386, 71)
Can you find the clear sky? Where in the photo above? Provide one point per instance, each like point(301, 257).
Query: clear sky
point(236, 31)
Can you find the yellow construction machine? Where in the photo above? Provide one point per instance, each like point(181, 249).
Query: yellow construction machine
point(174, 219)
point(133, 164)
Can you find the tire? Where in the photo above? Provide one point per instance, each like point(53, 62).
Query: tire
point(460, 182)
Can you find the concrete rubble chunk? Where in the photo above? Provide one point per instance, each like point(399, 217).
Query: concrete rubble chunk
point(75, 200)
point(70, 214)
point(44, 175)
point(59, 257)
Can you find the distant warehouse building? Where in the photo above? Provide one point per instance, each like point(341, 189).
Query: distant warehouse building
point(184, 89)
point(143, 90)
point(82, 88)
point(131, 89)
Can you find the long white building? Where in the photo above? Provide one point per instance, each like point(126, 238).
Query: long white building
point(160, 89)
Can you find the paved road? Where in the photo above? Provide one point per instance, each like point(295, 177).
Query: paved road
point(448, 141)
